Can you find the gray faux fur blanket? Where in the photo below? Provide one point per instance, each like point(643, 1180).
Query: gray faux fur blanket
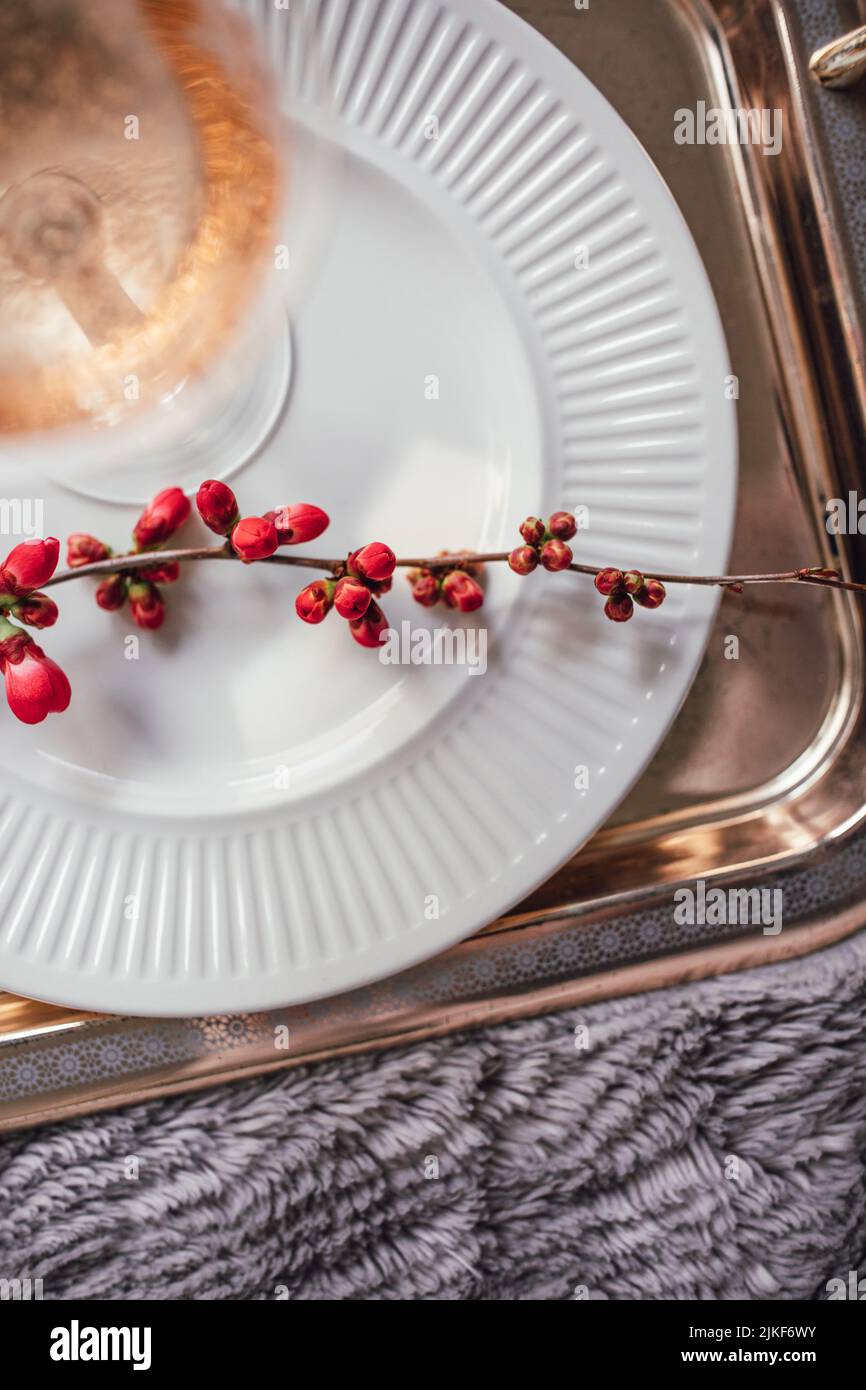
point(703, 1142)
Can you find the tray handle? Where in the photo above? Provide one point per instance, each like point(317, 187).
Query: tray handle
point(842, 62)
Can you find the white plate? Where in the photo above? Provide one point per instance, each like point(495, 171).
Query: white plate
point(256, 812)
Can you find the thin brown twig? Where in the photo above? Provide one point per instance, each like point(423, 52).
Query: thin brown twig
point(149, 559)
point(116, 564)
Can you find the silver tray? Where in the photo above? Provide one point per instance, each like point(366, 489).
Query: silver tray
point(762, 773)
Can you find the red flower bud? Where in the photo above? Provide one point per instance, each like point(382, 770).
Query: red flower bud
point(82, 549)
point(28, 566)
point(608, 581)
point(161, 518)
point(217, 506)
point(619, 608)
point(36, 610)
point(166, 573)
point(425, 587)
point(254, 538)
point(146, 605)
point(370, 630)
point(314, 603)
point(633, 582)
point(461, 591)
point(523, 560)
point(35, 685)
point(562, 526)
point(375, 562)
point(299, 523)
point(532, 530)
point(556, 556)
point(652, 595)
point(111, 593)
point(351, 598)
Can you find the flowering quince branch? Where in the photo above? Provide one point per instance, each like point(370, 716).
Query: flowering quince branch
point(36, 686)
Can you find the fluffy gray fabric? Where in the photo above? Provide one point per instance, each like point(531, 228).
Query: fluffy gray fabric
point(600, 1170)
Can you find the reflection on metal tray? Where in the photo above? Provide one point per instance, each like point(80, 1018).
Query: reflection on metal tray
point(763, 770)
point(764, 762)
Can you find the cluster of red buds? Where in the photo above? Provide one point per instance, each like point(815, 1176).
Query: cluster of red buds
point(158, 522)
point(624, 590)
point(366, 575)
point(251, 538)
point(35, 685)
point(544, 545)
point(457, 585)
point(257, 537)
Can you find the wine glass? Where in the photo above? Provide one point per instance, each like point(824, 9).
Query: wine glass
point(151, 193)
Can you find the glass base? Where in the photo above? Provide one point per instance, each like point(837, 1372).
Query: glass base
point(230, 429)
